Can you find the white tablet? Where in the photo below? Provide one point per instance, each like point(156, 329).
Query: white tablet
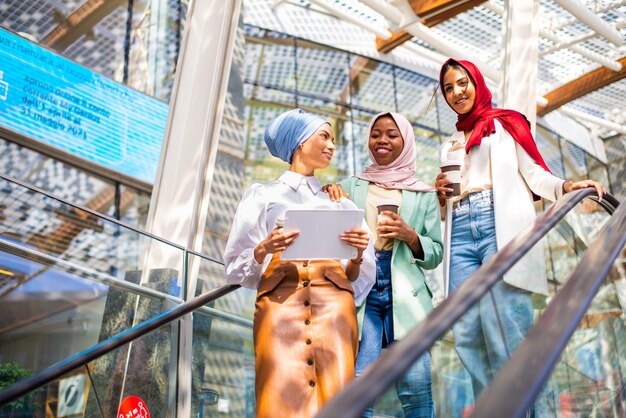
point(319, 233)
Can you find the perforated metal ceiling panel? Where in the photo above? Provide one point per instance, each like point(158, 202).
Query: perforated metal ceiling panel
point(567, 47)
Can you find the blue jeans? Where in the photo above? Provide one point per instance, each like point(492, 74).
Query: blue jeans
point(491, 330)
point(414, 389)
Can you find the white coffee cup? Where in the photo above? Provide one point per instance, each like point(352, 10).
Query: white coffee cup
point(452, 169)
point(386, 205)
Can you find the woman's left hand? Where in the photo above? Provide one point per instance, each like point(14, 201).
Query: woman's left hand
point(335, 192)
point(569, 186)
point(357, 238)
point(395, 228)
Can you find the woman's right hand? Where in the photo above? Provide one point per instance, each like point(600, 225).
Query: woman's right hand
point(569, 186)
point(335, 191)
point(275, 242)
point(440, 182)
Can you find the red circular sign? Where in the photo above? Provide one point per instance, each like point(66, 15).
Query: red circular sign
point(133, 407)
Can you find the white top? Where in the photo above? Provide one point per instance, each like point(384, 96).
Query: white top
point(260, 207)
point(475, 166)
point(374, 195)
point(514, 174)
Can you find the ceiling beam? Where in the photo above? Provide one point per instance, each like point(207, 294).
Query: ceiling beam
point(581, 86)
point(430, 13)
point(79, 22)
point(579, 116)
point(591, 19)
point(349, 17)
point(556, 40)
point(436, 11)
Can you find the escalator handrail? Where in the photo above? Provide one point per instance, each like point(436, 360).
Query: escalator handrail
point(105, 217)
point(608, 202)
point(521, 379)
point(63, 367)
point(85, 272)
point(362, 392)
point(115, 282)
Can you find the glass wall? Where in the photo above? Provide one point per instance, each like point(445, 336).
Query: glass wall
point(283, 72)
point(79, 51)
point(271, 72)
point(135, 43)
point(616, 154)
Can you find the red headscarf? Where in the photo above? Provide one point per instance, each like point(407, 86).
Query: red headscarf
point(480, 117)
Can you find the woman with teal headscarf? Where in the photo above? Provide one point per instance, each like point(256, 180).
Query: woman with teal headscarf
point(305, 327)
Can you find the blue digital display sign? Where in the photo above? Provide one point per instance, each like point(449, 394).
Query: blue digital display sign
point(60, 103)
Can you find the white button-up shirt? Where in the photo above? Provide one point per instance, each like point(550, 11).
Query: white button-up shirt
point(261, 206)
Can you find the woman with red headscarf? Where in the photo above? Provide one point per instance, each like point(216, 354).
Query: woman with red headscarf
point(501, 171)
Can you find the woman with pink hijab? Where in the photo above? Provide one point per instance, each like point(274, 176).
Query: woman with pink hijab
point(406, 242)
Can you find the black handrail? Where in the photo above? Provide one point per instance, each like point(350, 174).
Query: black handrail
point(520, 380)
point(608, 202)
point(359, 394)
point(65, 366)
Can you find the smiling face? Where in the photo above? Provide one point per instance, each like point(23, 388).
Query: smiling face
point(385, 141)
point(459, 90)
point(317, 151)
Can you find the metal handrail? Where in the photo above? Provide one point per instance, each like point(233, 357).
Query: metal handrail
point(388, 368)
point(105, 217)
point(359, 394)
point(115, 282)
point(65, 366)
point(85, 272)
point(520, 380)
point(197, 303)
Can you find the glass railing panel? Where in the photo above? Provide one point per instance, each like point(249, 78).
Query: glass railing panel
point(211, 275)
point(452, 385)
point(464, 361)
point(222, 366)
point(77, 237)
point(51, 309)
point(569, 239)
point(135, 376)
point(452, 388)
point(589, 379)
point(468, 357)
point(32, 404)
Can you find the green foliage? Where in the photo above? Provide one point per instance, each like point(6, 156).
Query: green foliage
point(24, 406)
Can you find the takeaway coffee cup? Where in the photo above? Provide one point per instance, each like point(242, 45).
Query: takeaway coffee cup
point(388, 205)
point(452, 169)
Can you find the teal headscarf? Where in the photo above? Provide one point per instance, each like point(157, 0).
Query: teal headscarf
point(285, 133)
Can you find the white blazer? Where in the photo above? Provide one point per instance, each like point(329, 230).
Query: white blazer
point(513, 175)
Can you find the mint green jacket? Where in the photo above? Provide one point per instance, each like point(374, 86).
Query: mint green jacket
point(412, 298)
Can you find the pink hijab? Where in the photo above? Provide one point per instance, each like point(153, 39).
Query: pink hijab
point(400, 173)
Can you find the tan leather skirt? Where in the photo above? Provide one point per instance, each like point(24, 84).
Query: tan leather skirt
point(305, 337)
